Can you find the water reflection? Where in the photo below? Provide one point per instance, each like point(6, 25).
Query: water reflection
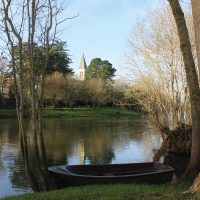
point(76, 141)
point(12, 179)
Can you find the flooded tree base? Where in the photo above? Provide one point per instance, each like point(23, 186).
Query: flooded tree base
point(180, 140)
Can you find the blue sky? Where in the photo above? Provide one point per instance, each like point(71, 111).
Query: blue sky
point(101, 29)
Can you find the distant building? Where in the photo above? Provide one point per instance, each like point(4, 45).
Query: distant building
point(82, 69)
point(5, 87)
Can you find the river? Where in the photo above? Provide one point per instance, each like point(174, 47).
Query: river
point(76, 141)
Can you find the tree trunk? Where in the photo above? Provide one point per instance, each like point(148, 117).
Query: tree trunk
point(53, 104)
point(161, 151)
point(196, 21)
point(195, 186)
point(31, 12)
point(193, 85)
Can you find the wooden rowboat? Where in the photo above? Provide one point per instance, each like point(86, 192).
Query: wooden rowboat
point(140, 173)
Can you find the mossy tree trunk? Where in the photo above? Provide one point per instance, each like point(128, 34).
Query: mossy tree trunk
point(193, 85)
point(196, 21)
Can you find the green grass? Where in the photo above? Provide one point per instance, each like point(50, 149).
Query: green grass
point(112, 192)
point(76, 112)
point(87, 112)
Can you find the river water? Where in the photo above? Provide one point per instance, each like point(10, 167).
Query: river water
point(76, 141)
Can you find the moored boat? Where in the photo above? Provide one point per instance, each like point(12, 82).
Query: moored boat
point(140, 173)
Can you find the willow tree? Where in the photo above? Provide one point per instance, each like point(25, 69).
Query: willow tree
point(193, 85)
point(156, 60)
point(31, 22)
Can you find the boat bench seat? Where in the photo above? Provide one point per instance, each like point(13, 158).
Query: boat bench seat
point(127, 172)
point(108, 174)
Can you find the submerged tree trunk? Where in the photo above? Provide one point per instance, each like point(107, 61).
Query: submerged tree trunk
point(193, 85)
point(25, 71)
point(161, 151)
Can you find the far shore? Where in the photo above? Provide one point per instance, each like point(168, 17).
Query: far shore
point(76, 112)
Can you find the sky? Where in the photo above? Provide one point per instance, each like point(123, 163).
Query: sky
point(101, 29)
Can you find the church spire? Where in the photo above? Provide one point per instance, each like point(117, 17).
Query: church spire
point(83, 63)
point(82, 68)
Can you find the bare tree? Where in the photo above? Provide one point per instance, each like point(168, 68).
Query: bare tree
point(56, 82)
point(12, 37)
point(96, 89)
point(72, 91)
point(156, 60)
point(26, 24)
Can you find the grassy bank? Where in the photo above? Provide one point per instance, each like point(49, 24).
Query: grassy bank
point(87, 112)
point(8, 113)
point(112, 192)
point(76, 112)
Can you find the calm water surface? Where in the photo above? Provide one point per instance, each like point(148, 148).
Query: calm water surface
point(76, 141)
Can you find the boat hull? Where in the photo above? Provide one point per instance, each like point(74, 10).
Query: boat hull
point(140, 173)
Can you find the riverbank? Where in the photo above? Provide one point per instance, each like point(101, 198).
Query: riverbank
point(112, 192)
point(76, 112)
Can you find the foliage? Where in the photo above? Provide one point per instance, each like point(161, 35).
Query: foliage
point(118, 92)
point(54, 87)
point(58, 58)
point(63, 87)
point(96, 90)
point(102, 69)
point(72, 91)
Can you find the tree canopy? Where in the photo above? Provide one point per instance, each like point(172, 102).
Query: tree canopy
point(58, 61)
point(102, 69)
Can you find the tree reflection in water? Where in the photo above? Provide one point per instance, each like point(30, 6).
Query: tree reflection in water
point(80, 141)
